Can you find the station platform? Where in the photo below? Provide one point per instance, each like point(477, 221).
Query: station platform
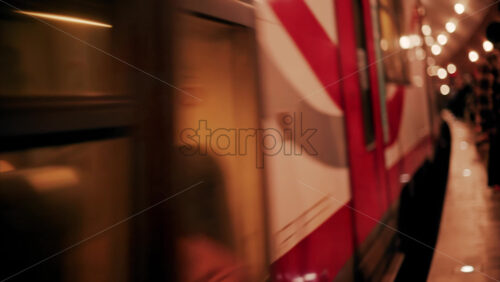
point(468, 246)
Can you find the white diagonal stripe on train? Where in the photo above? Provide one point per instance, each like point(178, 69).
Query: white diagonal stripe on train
point(282, 51)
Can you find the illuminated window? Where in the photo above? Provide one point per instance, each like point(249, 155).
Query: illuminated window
point(364, 77)
point(394, 58)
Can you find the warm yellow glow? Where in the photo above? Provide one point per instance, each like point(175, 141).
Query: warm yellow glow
point(451, 27)
point(415, 40)
point(429, 41)
point(436, 49)
point(451, 68)
point(432, 70)
point(51, 177)
point(64, 18)
point(441, 73)
point(444, 89)
point(473, 56)
point(384, 45)
point(487, 46)
point(426, 30)
point(405, 42)
point(459, 8)
point(5, 166)
point(420, 54)
point(310, 277)
point(467, 269)
point(442, 39)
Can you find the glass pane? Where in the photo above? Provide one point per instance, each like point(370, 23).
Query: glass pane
point(374, 12)
point(221, 222)
point(54, 54)
point(393, 57)
point(53, 198)
point(364, 76)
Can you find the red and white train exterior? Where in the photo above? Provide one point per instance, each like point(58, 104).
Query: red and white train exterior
point(322, 208)
point(331, 66)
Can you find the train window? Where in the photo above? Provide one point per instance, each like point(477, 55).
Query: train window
point(221, 222)
point(395, 64)
point(54, 197)
point(66, 156)
point(364, 78)
point(54, 53)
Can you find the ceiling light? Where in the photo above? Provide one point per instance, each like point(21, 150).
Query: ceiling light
point(426, 29)
point(444, 89)
point(436, 49)
point(451, 27)
point(467, 268)
point(459, 8)
point(473, 56)
point(451, 68)
point(487, 46)
point(441, 73)
point(442, 39)
point(405, 42)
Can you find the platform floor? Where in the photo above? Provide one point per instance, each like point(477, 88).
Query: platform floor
point(469, 233)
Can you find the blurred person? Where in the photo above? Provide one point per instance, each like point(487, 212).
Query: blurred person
point(494, 153)
point(463, 90)
point(470, 109)
point(483, 88)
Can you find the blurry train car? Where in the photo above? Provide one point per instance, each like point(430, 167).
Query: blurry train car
point(343, 118)
point(210, 140)
point(340, 67)
point(79, 134)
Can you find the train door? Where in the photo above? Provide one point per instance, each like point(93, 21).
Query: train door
point(365, 136)
point(220, 222)
point(360, 119)
point(307, 183)
point(407, 134)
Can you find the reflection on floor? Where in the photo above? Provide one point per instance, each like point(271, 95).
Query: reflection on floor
point(468, 247)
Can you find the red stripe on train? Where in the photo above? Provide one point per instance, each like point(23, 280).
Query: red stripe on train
point(322, 253)
point(312, 41)
point(326, 250)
